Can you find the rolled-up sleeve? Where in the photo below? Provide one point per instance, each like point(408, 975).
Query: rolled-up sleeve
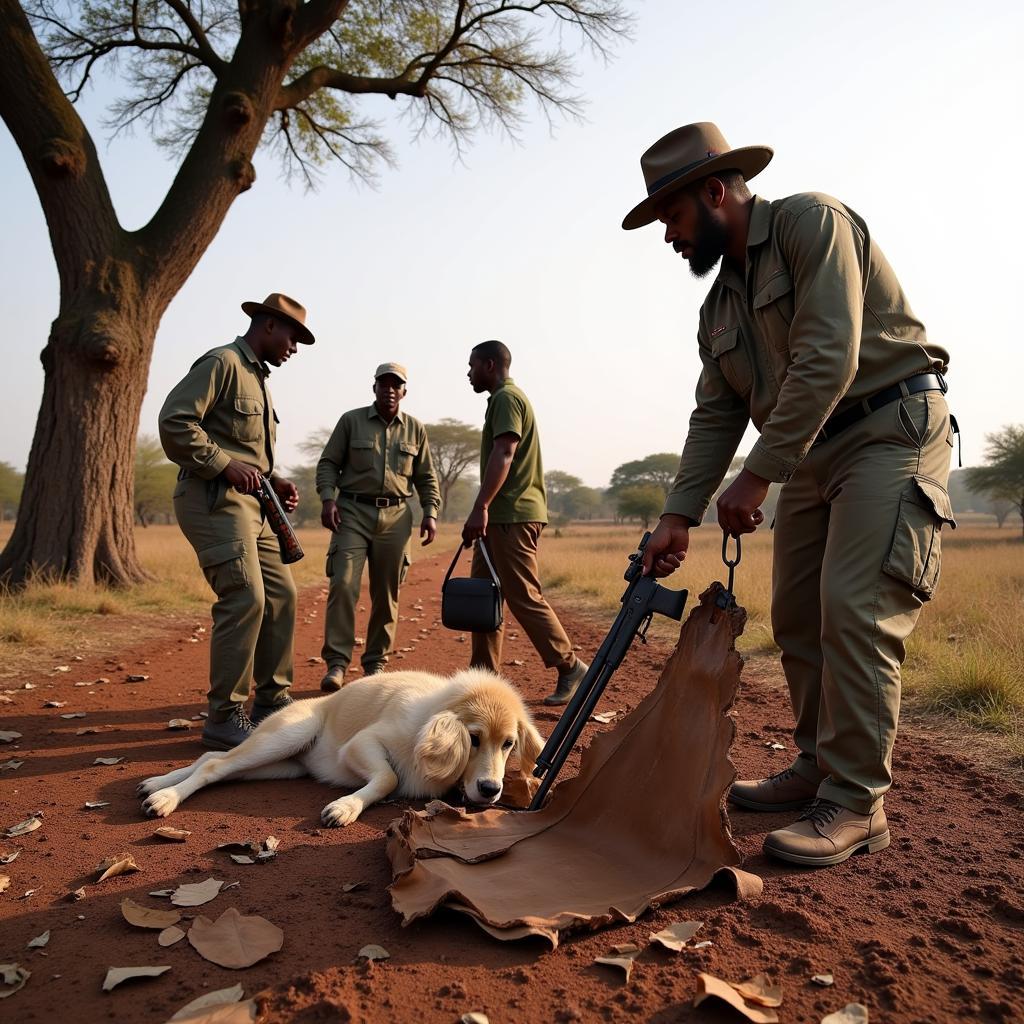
point(716, 428)
point(424, 478)
point(825, 253)
point(185, 442)
point(332, 461)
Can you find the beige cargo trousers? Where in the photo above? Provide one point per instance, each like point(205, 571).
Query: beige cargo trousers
point(857, 552)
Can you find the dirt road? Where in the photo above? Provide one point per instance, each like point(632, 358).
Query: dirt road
point(930, 930)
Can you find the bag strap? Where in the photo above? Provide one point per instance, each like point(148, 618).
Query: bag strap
point(487, 560)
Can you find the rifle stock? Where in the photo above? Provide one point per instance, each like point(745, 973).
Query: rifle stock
point(287, 541)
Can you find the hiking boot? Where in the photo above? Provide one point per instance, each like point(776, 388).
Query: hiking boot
point(567, 683)
point(827, 833)
point(373, 670)
point(261, 711)
point(784, 791)
point(228, 733)
point(334, 679)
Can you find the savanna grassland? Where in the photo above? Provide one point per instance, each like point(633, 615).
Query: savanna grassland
point(965, 659)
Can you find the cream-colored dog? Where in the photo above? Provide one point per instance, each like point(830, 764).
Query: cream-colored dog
point(413, 734)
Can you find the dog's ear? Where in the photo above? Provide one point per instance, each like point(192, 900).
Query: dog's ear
point(442, 747)
point(529, 744)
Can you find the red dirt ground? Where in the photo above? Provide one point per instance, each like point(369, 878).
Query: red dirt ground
point(931, 930)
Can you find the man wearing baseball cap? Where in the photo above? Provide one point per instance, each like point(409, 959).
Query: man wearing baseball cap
point(365, 478)
point(807, 332)
point(219, 426)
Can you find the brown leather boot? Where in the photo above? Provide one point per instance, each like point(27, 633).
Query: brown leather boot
point(334, 678)
point(827, 833)
point(784, 791)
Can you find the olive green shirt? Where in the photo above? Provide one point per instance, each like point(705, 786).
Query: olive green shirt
point(818, 323)
point(221, 410)
point(522, 498)
point(366, 455)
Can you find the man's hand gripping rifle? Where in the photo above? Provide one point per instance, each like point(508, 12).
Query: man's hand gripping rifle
point(643, 599)
point(287, 541)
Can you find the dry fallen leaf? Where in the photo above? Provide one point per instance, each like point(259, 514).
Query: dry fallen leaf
point(774, 745)
point(136, 678)
point(349, 886)
point(374, 952)
point(761, 990)
point(28, 894)
point(221, 997)
point(8, 857)
point(11, 766)
point(145, 917)
point(90, 730)
point(604, 717)
point(474, 1018)
point(163, 892)
point(9, 737)
point(121, 864)
point(626, 949)
point(74, 714)
point(851, 1013)
point(235, 940)
point(62, 668)
point(77, 894)
point(92, 805)
point(179, 723)
point(677, 935)
point(240, 858)
point(174, 835)
point(5, 883)
point(108, 760)
point(269, 851)
point(12, 978)
point(195, 894)
point(30, 824)
point(169, 936)
point(40, 940)
point(54, 703)
point(625, 963)
point(718, 989)
point(229, 1013)
point(115, 975)
point(824, 980)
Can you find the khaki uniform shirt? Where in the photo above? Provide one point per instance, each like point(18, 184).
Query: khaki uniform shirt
point(220, 411)
point(818, 323)
point(365, 455)
point(522, 498)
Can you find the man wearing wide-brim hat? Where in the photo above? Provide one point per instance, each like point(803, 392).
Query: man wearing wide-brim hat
point(807, 333)
point(375, 457)
point(219, 426)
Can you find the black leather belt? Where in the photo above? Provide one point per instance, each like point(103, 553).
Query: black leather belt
point(369, 499)
point(911, 386)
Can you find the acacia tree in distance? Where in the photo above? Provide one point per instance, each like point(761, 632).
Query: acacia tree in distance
point(213, 79)
point(1003, 475)
point(454, 447)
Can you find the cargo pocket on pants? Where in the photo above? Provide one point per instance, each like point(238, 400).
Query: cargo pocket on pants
point(916, 552)
point(223, 566)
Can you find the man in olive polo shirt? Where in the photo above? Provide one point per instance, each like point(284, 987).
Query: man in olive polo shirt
point(365, 477)
point(807, 332)
point(219, 426)
point(509, 514)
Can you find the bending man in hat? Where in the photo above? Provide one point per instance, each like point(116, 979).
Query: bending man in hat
point(806, 332)
point(219, 426)
point(374, 458)
point(509, 514)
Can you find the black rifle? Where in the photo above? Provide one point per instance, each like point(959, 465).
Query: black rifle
point(643, 599)
point(291, 549)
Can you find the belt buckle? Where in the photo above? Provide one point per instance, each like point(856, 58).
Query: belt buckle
point(381, 502)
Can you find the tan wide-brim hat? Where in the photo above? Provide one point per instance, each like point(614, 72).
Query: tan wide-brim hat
point(685, 155)
point(276, 304)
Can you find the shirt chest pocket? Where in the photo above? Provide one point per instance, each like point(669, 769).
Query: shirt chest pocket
point(773, 309)
point(247, 421)
point(405, 457)
point(732, 360)
point(360, 454)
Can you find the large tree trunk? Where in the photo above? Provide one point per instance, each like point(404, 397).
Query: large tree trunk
point(77, 520)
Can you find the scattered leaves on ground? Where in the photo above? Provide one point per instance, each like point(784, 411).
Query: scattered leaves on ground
point(145, 917)
point(115, 975)
point(604, 717)
point(120, 864)
point(712, 987)
point(195, 894)
point(851, 1013)
point(9, 737)
point(235, 940)
point(677, 935)
point(11, 766)
point(30, 824)
point(92, 805)
point(163, 892)
point(8, 857)
point(761, 990)
point(241, 858)
point(626, 949)
point(169, 936)
point(624, 963)
point(108, 760)
point(54, 703)
point(12, 978)
point(824, 979)
point(74, 714)
point(374, 952)
point(174, 835)
point(179, 723)
point(40, 940)
point(28, 894)
point(221, 997)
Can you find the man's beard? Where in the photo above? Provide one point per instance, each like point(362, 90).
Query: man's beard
point(709, 244)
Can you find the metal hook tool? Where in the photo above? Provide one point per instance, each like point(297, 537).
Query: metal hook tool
point(727, 598)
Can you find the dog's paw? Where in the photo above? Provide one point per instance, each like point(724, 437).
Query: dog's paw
point(147, 786)
point(160, 804)
point(341, 812)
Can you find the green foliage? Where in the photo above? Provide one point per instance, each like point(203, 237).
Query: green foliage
point(455, 447)
point(657, 470)
point(640, 501)
point(1003, 475)
point(11, 482)
point(569, 498)
point(154, 482)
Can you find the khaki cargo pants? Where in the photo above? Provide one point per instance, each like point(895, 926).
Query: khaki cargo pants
point(378, 537)
point(513, 550)
point(254, 615)
point(857, 553)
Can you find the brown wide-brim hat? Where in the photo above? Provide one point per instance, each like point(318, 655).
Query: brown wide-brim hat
point(685, 155)
point(278, 305)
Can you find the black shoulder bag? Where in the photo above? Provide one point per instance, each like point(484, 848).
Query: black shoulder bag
point(473, 605)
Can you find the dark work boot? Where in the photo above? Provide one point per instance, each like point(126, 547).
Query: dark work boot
point(374, 669)
point(228, 733)
point(567, 683)
point(261, 711)
point(334, 678)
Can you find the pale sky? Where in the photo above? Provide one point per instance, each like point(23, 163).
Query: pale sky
point(908, 111)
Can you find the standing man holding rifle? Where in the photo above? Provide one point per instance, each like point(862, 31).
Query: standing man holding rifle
point(807, 332)
point(219, 426)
